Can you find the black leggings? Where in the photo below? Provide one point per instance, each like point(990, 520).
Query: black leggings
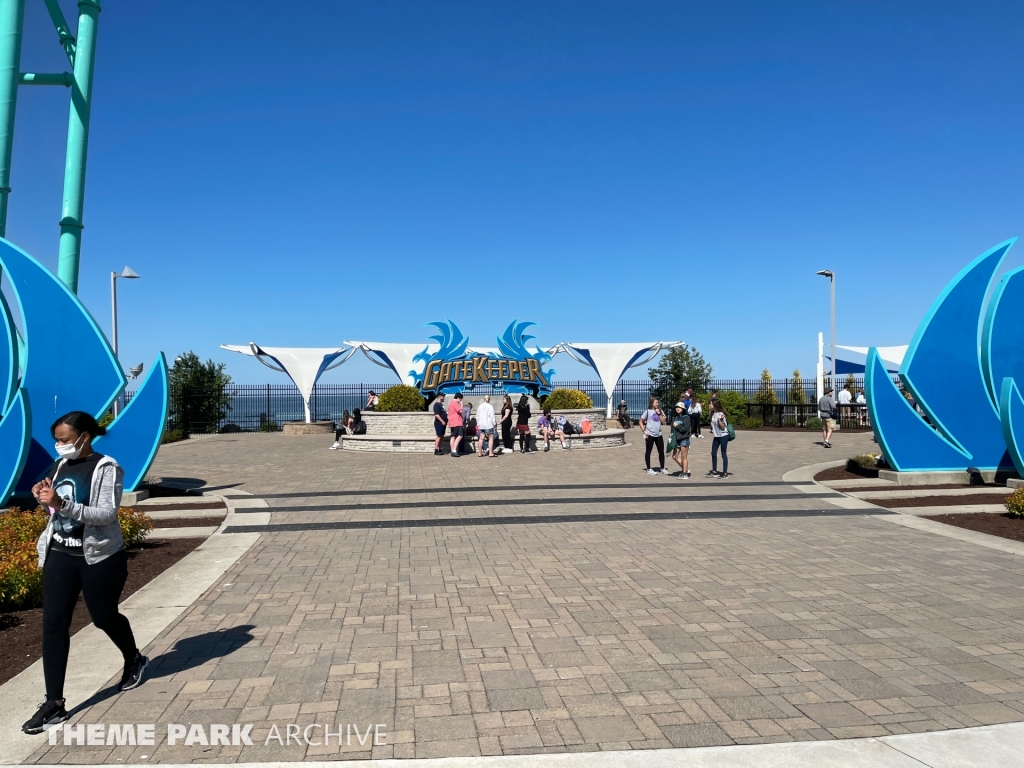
point(695, 423)
point(338, 433)
point(651, 442)
point(506, 435)
point(64, 577)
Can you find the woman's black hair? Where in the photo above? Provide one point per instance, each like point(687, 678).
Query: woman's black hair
point(80, 421)
point(357, 414)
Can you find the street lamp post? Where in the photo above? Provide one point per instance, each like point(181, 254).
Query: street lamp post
point(832, 283)
point(127, 274)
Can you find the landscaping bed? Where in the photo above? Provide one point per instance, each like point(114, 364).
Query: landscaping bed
point(939, 501)
point(1004, 526)
point(846, 472)
point(894, 487)
point(188, 522)
point(21, 632)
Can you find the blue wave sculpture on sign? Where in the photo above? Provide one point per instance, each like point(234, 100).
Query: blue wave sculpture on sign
point(945, 342)
point(68, 366)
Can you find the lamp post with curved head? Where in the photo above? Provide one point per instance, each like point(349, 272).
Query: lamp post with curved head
point(832, 344)
point(127, 274)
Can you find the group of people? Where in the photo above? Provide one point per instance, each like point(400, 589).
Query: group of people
point(831, 409)
point(349, 425)
point(684, 425)
point(457, 420)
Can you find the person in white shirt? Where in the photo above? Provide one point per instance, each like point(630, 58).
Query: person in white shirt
point(844, 398)
point(485, 424)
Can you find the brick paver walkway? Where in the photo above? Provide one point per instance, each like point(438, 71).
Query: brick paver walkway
point(734, 611)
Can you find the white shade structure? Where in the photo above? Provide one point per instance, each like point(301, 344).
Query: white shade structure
point(303, 365)
point(852, 359)
point(396, 357)
point(611, 361)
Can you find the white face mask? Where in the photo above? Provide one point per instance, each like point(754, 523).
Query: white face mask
point(69, 452)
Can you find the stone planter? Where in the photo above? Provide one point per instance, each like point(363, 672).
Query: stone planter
point(399, 423)
point(302, 428)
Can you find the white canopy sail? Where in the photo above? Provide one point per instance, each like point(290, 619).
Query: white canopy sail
point(611, 361)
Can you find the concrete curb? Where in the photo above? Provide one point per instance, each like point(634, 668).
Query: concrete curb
point(94, 660)
point(908, 520)
point(982, 747)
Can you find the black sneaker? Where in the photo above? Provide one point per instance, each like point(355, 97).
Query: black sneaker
point(134, 672)
point(712, 473)
point(50, 713)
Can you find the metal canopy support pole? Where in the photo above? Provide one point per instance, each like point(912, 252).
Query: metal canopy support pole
point(12, 16)
point(78, 144)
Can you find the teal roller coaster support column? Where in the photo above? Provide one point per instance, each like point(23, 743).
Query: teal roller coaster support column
point(78, 144)
point(12, 15)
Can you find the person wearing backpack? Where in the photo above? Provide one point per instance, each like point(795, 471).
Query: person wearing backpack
point(650, 423)
point(679, 440)
point(720, 432)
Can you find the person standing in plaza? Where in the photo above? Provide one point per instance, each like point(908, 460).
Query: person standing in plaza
point(862, 409)
point(827, 414)
point(81, 551)
point(523, 424)
point(650, 423)
point(455, 424)
point(679, 440)
point(440, 423)
point(695, 411)
point(485, 424)
point(720, 433)
point(507, 440)
point(843, 399)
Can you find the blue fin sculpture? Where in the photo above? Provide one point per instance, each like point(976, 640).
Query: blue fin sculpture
point(131, 438)
point(1002, 336)
point(1011, 411)
point(15, 434)
point(906, 440)
point(947, 340)
point(69, 365)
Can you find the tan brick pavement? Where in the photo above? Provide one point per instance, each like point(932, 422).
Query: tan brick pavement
point(576, 634)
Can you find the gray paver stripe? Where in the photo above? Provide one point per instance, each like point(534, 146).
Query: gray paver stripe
point(535, 519)
point(518, 501)
point(559, 487)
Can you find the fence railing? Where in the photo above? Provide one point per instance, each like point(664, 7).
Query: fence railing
point(792, 415)
point(266, 407)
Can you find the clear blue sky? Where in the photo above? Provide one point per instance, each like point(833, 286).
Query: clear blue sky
point(302, 173)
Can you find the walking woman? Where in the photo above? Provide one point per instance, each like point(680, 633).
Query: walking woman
point(679, 440)
point(506, 424)
point(81, 552)
point(650, 423)
point(523, 424)
point(720, 431)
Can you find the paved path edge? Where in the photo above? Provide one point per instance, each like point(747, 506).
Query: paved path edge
point(151, 610)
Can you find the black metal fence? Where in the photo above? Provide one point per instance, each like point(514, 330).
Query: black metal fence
point(781, 415)
point(265, 407)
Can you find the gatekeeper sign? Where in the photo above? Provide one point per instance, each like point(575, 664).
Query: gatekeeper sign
point(454, 368)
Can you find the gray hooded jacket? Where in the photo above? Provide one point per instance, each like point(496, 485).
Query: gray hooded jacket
point(102, 530)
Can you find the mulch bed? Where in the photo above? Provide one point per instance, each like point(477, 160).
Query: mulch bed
point(947, 487)
point(21, 632)
point(844, 473)
point(188, 522)
point(1004, 526)
point(941, 501)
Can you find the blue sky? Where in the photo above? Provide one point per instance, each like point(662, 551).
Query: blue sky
point(298, 174)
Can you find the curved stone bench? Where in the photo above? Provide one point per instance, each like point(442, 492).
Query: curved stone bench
point(608, 438)
point(421, 423)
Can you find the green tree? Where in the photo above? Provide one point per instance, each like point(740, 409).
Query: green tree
point(797, 396)
point(678, 370)
point(766, 392)
point(851, 384)
point(199, 397)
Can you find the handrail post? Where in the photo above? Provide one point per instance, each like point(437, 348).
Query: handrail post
point(12, 17)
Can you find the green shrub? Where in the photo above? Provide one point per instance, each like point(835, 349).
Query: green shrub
point(865, 460)
point(173, 436)
point(734, 404)
point(1015, 503)
point(402, 397)
point(21, 579)
point(269, 425)
point(750, 422)
point(106, 419)
point(567, 400)
point(135, 526)
point(814, 423)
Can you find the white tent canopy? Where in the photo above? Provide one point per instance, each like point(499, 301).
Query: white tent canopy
point(853, 359)
point(303, 365)
point(611, 361)
point(396, 357)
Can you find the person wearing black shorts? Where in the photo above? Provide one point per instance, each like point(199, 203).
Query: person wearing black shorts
point(440, 423)
point(523, 424)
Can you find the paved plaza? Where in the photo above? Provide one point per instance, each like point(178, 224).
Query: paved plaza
point(568, 602)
